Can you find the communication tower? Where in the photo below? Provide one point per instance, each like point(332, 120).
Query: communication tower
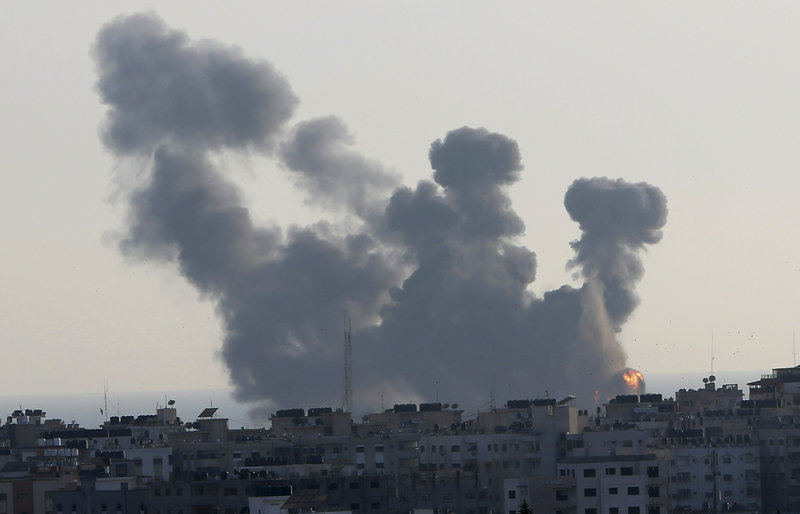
point(348, 365)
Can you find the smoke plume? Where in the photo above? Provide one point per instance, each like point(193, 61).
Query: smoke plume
point(433, 276)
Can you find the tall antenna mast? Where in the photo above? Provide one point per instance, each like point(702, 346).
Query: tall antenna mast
point(105, 400)
point(348, 365)
point(794, 349)
point(712, 352)
point(491, 395)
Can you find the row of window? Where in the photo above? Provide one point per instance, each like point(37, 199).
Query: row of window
point(652, 471)
point(591, 491)
point(630, 510)
point(360, 449)
point(454, 449)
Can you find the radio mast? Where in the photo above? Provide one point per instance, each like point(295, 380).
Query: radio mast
point(348, 365)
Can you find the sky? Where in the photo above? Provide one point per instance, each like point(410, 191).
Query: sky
point(697, 99)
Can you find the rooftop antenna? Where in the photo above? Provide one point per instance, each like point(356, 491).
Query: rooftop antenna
point(794, 349)
point(491, 395)
point(712, 352)
point(105, 399)
point(348, 365)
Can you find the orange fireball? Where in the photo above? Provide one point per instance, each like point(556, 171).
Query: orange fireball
point(633, 378)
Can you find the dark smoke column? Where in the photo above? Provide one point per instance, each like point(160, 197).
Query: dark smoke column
point(617, 220)
point(173, 104)
point(434, 276)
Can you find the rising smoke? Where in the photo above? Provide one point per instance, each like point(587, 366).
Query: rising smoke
point(432, 276)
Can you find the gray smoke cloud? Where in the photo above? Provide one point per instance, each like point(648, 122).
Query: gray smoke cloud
point(433, 276)
point(320, 151)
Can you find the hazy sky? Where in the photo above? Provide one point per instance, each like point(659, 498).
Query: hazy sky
point(698, 99)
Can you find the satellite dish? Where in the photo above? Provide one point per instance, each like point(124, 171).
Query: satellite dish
point(712, 378)
point(171, 402)
point(446, 406)
point(455, 406)
point(705, 380)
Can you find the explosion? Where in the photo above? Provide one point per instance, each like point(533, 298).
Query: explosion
point(634, 380)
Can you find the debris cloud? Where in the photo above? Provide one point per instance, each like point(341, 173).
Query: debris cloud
point(433, 276)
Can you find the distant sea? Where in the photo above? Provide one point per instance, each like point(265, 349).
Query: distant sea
point(85, 409)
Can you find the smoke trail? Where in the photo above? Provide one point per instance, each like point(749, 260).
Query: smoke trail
point(617, 220)
point(434, 277)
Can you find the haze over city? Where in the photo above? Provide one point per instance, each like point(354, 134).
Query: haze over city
point(692, 104)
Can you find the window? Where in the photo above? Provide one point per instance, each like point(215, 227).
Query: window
point(353, 485)
point(652, 471)
point(626, 470)
point(633, 510)
point(512, 494)
point(611, 471)
point(561, 496)
point(633, 491)
point(613, 510)
point(727, 478)
point(613, 490)
point(590, 491)
point(590, 511)
point(374, 484)
point(588, 472)
point(455, 448)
